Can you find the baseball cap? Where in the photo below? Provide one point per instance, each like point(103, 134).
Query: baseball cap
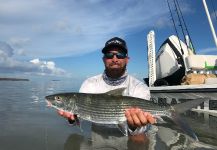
point(115, 42)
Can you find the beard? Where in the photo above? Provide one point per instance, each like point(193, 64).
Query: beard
point(115, 72)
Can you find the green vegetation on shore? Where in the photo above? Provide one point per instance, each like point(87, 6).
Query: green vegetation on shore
point(13, 79)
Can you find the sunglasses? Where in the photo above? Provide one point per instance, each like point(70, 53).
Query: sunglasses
point(118, 55)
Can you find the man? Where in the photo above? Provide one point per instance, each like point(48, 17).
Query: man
point(115, 76)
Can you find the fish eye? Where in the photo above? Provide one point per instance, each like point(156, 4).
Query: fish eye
point(58, 98)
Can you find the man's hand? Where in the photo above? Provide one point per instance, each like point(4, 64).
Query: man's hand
point(71, 117)
point(138, 118)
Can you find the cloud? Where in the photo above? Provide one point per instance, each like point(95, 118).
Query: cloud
point(19, 42)
point(6, 49)
point(52, 28)
point(47, 67)
point(8, 64)
point(210, 50)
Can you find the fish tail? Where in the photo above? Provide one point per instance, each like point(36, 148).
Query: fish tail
point(181, 108)
point(184, 126)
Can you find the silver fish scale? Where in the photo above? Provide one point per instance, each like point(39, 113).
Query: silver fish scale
point(103, 105)
point(116, 102)
point(102, 118)
point(103, 108)
point(108, 109)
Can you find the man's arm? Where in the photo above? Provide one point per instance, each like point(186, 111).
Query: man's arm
point(138, 120)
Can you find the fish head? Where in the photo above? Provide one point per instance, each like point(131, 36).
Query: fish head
point(58, 101)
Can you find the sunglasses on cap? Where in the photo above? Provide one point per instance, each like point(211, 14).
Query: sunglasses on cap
point(118, 55)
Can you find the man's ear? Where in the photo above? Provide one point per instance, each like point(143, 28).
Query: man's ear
point(103, 59)
point(127, 60)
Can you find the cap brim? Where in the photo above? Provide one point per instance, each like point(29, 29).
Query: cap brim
point(108, 48)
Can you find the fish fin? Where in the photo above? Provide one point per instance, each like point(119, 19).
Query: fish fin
point(77, 122)
point(123, 127)
point(158, 119)
point(183, 107)
point(80, 128)
point(184, 126)
point(116, 92)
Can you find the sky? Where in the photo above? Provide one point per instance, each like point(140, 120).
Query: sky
point(64, 38)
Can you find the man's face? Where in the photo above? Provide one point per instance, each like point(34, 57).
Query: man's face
point(115, 60)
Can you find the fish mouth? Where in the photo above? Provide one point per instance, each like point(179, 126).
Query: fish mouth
point(48, 103)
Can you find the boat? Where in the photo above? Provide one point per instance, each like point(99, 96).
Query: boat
point(177, 73)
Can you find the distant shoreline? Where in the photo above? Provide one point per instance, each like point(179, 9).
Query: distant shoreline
point(13, 79)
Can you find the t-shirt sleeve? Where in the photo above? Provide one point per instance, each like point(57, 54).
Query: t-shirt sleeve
point(142, 91)
point(88, 86)
point(138, 89)
point(85, 87)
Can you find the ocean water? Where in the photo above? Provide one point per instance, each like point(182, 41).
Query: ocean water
point(27, 124)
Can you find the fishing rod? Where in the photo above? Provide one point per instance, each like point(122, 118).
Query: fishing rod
point(182, 24)
point(180, 21)
point(190, 43)
point(173, 20)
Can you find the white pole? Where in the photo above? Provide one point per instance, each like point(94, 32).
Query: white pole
point(151, 58)
point(210, 22)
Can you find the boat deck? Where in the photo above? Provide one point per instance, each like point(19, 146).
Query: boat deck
point(208, 91)
point(181, 93)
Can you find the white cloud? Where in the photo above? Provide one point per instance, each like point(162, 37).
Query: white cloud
point(6, 49)
point(214, 15)
point(18, 42)
point(47, 67)
point(207, 50)
point(64, 25)
point(51, 28)
point(8, 64)
point(162, 22)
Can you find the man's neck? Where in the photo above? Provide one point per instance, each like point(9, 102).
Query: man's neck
point(114, 74)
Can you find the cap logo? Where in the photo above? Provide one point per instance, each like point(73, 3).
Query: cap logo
point(115, 42)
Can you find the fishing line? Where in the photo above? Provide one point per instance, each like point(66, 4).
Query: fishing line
point(185, 26)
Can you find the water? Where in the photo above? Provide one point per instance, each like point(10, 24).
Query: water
point(27, 124)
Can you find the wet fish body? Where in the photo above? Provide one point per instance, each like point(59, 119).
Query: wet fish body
point(109, 109)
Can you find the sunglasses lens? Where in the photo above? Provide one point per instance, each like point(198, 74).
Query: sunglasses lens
point(109, 55)
point(121, 55)
point(118, 55)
